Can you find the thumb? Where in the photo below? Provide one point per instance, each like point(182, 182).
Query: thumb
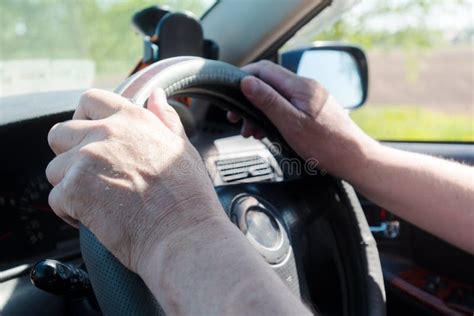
point(270, 102)
point(158, 105)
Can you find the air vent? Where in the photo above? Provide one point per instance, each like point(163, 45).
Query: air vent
point(245, 169)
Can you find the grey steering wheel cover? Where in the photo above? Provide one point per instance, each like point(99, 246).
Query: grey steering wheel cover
point(368, 252)
point(192, 73)
point(214, 80)
point(118, 290)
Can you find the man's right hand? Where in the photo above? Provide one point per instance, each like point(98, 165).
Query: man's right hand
point(307, 116)
point(432, 193)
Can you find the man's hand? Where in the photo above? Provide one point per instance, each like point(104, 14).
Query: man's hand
point(309, 119)
point(434, 194)
point(128, 174)
point(132, 177)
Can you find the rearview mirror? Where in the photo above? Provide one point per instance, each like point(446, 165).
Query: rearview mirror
point(341, 69)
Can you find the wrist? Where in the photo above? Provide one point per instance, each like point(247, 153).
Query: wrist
point(369, 150)
point(355, 157)
point(170, 264)
point(181, 209)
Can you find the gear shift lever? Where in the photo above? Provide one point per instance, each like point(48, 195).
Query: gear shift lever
point(60, 278)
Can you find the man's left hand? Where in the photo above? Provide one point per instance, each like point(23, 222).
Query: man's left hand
point(128, 174)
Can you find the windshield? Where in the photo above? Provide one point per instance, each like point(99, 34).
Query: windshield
point(52, 45)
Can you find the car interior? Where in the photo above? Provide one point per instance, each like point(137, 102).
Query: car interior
point(335, 249)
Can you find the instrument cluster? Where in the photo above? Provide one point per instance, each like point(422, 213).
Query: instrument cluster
point(29, 229)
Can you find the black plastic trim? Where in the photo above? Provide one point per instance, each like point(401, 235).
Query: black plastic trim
point(270, 51)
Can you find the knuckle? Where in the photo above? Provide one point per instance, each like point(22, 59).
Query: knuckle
point(71, 181)
point(171, 112)
point(269, 98)
point(49, 172)
point(71, 184)
point(308, 86)
point(52, 135)
point(106, 128)
point(317, 92)
point(137, 112)
point(88, 95)
point(86, 98)
point(53, 200)
point(266, 67)
point(88, 157)
point(312, 84)
point(88, 152)
point(264, 63)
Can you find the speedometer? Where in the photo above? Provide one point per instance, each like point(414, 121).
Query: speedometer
point(42, 228)
point(35, 215)
point(7, 231)
point(28, 226)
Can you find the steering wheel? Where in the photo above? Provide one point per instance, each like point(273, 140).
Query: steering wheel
point(301, 227)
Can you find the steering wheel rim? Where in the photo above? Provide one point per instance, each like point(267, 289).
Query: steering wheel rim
point(121, 292)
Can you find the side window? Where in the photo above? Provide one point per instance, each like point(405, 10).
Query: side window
point(421, 67)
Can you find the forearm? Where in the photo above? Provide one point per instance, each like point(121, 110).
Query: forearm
point(435, 194)
point(213, 270)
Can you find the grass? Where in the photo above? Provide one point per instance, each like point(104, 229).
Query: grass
point(414, 123)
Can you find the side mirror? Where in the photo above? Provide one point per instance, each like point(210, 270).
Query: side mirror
point(340, 68)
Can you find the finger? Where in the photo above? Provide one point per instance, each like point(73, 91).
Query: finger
point(59, 166)
point(259, 134)
point(66, 135)
point(270, 102)
point(158, 105)
point(233, 117)
point(248, 129)
point(57, 204)
point(281, 79)
point(97, 104)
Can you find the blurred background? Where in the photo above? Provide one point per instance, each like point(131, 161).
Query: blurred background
point(421, 65)
point(421, 56)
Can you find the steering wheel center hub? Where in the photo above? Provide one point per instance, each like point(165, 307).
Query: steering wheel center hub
point(259, 222)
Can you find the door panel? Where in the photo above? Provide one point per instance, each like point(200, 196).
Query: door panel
point(424, 274)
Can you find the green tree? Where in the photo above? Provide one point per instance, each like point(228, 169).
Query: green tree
point(92, 29)
point(365, 25)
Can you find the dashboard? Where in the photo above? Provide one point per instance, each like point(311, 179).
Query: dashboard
point(29, 230)
point(28, 226)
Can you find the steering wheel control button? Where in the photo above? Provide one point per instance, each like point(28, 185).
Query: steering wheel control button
point(259, 222)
